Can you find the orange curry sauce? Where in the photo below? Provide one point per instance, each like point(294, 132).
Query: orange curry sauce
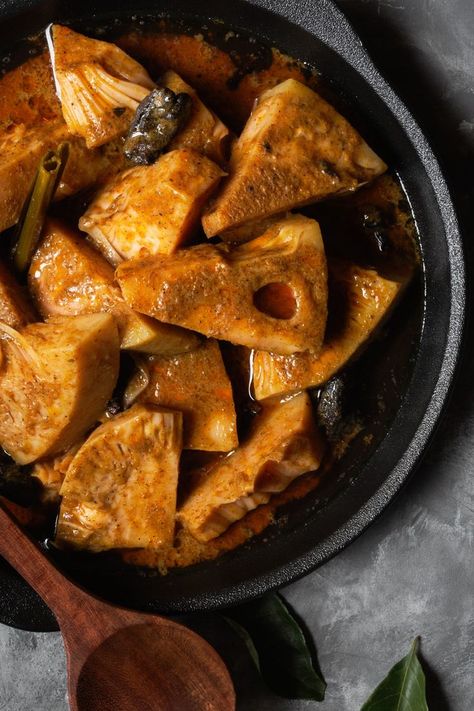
point(27, 95)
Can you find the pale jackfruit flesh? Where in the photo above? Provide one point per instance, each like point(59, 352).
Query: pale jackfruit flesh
point(283, 444)
point(196, 384)
point(294, 150)
point(204, 131)
point(98, 85)
point(68, 277)
point(120, 488)
point(359, 300)
point(55, 380)
point(15, 307)
point(270, 293)
point(151, 209)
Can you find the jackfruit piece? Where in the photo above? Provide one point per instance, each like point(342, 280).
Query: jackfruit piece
point(98, 85)
point(55, 381)
point(359, 299)
point(52, 470)
point(284, 443)
point(147, 335)
point(204, 131)
point(151, 209)
point(295, 149)
point(120, 488)
point(269, 293)
point(68, 277)
point(22, 148)
point(250, 230)
point(15, 307)
point(196, 384)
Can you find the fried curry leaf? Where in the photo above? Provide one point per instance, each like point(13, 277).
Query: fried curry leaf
point(403, 689)
point(278, 648)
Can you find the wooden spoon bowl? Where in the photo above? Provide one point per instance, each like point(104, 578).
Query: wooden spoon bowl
point(118, 659)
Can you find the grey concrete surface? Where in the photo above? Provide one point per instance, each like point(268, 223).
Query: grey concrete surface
point(412, 572)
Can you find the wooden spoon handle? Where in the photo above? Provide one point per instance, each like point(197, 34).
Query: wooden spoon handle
point(115, 656)
point(72, 606)
point(29, 561)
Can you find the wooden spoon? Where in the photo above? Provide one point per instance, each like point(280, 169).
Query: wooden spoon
point(118, 659)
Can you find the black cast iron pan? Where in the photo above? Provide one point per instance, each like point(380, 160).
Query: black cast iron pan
point(412, 367)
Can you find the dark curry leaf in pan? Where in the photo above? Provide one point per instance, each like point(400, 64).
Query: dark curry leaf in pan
point(157, 120)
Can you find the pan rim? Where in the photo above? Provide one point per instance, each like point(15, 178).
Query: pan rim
point(349, 46)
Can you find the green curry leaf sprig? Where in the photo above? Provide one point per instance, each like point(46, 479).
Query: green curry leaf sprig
point(280, 651)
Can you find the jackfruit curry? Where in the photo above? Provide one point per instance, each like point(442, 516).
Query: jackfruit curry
point(174, 320)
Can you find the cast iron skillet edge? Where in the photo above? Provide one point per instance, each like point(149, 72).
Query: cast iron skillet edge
point(339, 34)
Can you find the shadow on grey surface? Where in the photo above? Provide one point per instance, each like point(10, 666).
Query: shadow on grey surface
point(251, 691)
point(435, 695)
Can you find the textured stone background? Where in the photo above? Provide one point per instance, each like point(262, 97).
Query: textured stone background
point(412, 572)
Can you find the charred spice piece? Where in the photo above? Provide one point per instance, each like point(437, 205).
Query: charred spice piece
point(158, 119)
point(330, 405)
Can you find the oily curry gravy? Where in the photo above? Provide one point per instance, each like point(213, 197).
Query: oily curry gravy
point(372, 227)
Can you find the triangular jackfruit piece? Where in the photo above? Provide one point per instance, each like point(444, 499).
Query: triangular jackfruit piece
point(283, 444)
point(55, 381)
point(120, 488)
point(99, 86)
point(359, 299)
point(270, 293)
point(68, 277)
point(151, 209)
point(294, 150)
point(196, 384)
